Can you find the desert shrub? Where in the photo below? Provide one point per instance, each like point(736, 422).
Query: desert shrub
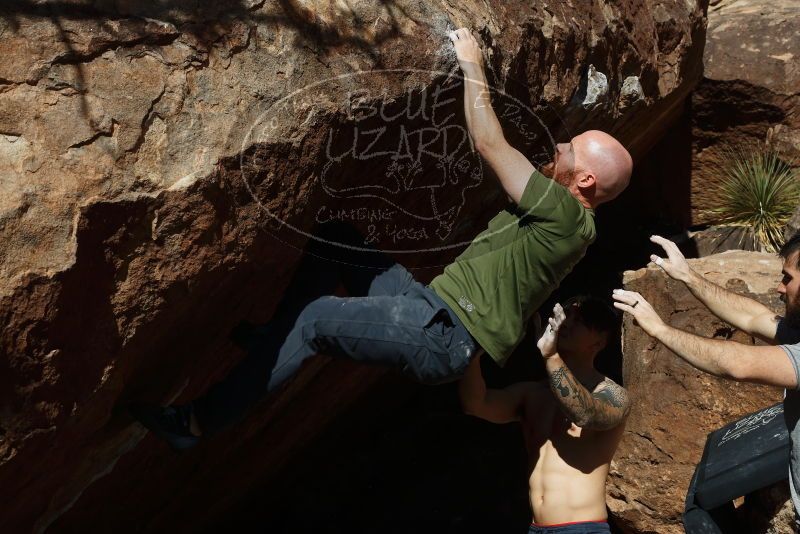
point(758, 190)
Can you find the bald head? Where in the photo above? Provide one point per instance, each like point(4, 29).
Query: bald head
point(599, 155)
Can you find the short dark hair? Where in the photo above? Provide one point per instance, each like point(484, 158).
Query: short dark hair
point(790, 247)
point(596, 313)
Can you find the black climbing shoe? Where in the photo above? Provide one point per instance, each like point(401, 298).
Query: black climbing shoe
point(170, 423)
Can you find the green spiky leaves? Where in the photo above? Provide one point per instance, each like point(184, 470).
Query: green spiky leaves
point(758, 190)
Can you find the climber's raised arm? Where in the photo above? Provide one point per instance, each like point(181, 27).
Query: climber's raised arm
point(511, 166)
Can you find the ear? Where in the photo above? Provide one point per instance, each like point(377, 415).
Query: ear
point(586, 180)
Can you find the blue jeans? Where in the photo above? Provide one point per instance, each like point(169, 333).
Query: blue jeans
point(396, 321)
point(582, 527)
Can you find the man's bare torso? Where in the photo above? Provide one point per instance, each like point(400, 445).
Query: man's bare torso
point(568, 464)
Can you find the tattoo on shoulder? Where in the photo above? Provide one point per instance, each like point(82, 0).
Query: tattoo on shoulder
point(601, 409)
point(612, 393)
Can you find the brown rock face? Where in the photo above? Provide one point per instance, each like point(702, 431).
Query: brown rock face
point(794, 225)
point(161, 163)
point(750, 93)
point(676, 406)
point(716, 239)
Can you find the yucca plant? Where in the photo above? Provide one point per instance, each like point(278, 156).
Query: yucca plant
point(758, 190)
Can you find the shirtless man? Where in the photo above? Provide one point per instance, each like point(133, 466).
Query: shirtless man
point(572, 422)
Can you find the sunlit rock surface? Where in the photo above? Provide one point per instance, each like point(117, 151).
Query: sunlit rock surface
point(675, 405)
point(161, 164)
point(750, 93)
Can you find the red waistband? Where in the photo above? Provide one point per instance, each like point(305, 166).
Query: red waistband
point(568, 524)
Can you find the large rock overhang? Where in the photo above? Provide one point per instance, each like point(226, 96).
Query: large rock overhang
point(132, 239)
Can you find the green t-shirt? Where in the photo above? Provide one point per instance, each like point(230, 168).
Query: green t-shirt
point(511, 268)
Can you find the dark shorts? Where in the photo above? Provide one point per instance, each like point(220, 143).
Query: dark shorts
point(579, 527)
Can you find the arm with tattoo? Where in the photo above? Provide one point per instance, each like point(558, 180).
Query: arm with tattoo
point(604, 408)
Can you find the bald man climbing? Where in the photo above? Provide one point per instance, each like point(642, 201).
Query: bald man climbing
point(481, 302)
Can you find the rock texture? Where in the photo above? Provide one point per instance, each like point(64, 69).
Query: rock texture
point(793, 226)
point(750, 93)
point(149, 201)
point(676, 405)
point(716, 239)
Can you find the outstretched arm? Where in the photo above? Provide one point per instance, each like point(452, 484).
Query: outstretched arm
point(494, 405)
point(743, 313)
point(602, 409)
point(512, 168)
point(763, 365)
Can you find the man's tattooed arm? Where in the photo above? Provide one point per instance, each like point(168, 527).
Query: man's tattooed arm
point(603, 409)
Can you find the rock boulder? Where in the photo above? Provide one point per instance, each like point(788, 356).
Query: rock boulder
point(163, 162)
point(675, 405)
point(750, 92)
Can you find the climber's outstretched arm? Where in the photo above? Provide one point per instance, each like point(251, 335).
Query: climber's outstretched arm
point(511, 166)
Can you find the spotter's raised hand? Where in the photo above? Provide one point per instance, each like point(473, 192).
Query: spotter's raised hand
point(635, 304)
point(675, 265)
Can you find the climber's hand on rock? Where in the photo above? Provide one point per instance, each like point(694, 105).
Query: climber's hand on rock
point(675, 265)
point(644, 314)
point(468, 51)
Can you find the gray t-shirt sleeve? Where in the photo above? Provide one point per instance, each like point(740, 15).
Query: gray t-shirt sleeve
point(790, 339)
